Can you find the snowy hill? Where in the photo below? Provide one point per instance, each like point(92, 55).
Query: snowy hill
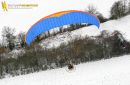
point(113, 71)
point(121, 25)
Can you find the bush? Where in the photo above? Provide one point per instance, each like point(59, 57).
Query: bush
point(101, 18)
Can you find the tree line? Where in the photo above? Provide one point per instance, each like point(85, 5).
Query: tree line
point(77, 51)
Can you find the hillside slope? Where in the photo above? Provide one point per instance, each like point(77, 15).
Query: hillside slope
point(121, 25)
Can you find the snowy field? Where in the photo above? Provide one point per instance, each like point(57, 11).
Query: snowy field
point(113, 71)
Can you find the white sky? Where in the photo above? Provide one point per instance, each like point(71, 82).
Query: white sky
point(22, 19)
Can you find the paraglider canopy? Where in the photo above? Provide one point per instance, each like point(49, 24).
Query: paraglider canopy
point(60, 19)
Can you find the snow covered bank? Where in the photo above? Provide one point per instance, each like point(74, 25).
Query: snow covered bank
point(113, 71)
point(14, 53)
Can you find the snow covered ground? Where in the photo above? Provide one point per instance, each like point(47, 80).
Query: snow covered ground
point(113, 71)
point(122, 25)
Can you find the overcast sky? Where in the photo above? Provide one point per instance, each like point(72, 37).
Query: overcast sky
point(22, 19)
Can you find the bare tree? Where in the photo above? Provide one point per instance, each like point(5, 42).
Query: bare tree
point(8, 36)
point(91, 9)
point(21, 39)
point(118, 9)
